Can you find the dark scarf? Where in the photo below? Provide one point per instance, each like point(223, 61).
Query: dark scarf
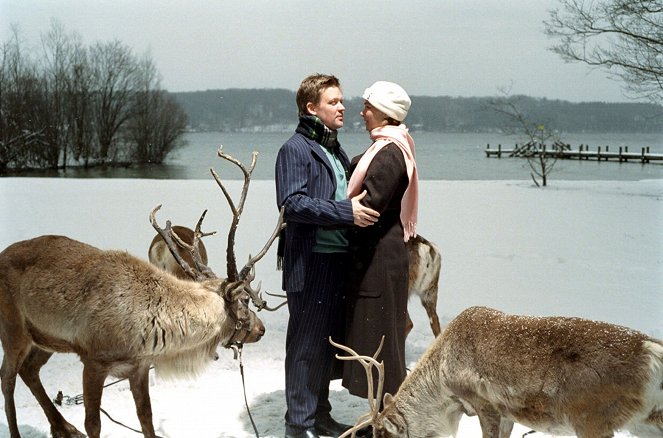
point(310, 127)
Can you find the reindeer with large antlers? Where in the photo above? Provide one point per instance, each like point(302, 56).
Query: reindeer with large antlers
point(182, 244)
point(120, 314)
point(554, 374)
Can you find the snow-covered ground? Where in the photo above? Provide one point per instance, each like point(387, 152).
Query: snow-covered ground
point(589, 249)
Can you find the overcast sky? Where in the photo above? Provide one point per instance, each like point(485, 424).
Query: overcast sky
point(431, 47)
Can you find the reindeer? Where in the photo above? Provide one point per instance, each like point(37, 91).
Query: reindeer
point(556, 375)
point(425, 263)
point(120, 314)
point(423, 277)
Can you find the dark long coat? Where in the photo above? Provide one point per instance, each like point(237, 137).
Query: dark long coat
point(378, 275)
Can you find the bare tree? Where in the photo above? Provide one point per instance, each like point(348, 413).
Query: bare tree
point(22, 100)
point(540, 142)
point(56, 61)
point(171, 120)
point(79, 105)
point(157, 121)
point(623, 36)
point(114, 70)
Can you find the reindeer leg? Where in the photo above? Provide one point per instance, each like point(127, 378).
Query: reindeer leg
point(506, 426)
point(94, 376)
point(29, 372)
point(139, 382)
point(429, 301)
point(15, 353)
point(490, 422)
point(408, 324)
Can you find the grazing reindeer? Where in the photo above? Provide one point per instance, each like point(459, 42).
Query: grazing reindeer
point(120, 314)
point(424, 269)
point(425, 263)
point(554, 374)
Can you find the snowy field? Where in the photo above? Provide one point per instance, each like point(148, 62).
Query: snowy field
point(589, 249)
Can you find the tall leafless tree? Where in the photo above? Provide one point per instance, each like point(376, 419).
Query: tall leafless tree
point(625, 37)
point(539, 140)
point(114, 72)
point(22, 99)
point(157, 121)
point(79, 109)
point(56, 61)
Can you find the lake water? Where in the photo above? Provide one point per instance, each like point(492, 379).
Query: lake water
point(440, 156)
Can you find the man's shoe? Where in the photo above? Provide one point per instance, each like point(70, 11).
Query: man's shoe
point(329, 427)
point(309, 432)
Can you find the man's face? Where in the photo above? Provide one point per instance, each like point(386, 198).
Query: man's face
point(330, 108)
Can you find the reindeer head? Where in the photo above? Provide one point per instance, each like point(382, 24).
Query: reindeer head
point(391, 421)
point(235, 289)
point(370, 418)
point(248, 327)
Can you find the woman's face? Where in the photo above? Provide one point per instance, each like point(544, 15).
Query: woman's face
point(329, 109)
point(373, 117)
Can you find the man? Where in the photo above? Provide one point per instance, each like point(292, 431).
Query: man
point(311, 185)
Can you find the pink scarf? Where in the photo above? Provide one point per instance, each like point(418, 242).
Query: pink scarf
point(381, 137)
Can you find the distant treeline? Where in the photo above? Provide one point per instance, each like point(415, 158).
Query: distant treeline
point(275, 109)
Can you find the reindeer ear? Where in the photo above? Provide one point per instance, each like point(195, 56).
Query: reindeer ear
point(230, 289)
point(387, 400)
point(390, 427)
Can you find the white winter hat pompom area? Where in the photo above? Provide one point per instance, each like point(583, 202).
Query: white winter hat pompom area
point(390, 98)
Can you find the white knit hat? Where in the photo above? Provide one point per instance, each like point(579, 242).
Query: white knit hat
point(389, 98)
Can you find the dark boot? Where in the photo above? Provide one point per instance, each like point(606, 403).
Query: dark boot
point(326, 425)
point(309, 432)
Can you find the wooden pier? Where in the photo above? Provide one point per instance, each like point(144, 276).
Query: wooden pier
point(583, 153)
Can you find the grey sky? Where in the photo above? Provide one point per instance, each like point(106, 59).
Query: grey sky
point(431, 47)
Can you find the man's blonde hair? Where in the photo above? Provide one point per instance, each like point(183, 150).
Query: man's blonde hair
point(311, 89)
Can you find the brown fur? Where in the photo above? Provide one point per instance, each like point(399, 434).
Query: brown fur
point(118, 313)
point(425, 263)
point(554, 374)
point(159, 254)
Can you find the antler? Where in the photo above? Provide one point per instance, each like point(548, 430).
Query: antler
point(231, 262)
point(249, 267)
point(202, 271)
point(248, 271)
point(256, 295)
point(247, 274)
point(373, 401)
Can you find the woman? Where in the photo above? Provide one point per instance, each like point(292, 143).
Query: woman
point(378, 277)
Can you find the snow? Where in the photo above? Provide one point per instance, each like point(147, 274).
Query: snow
point(576, 248)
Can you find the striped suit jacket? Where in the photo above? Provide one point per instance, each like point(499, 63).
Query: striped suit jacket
point(305, 186)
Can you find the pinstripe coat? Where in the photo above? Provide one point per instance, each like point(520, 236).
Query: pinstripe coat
point(305, 186)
